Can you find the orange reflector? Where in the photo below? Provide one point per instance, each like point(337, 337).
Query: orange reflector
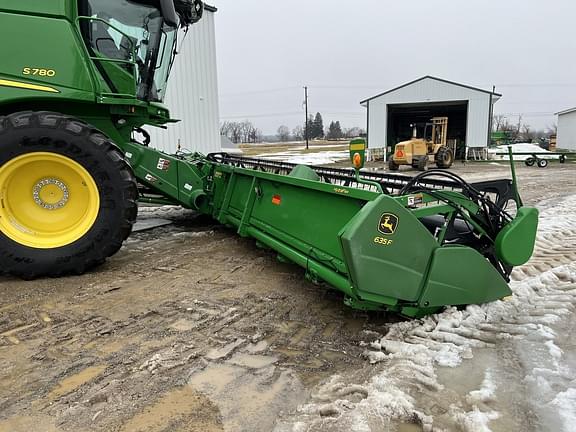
point(399, 153)
point(357, 160)
point(276, 199)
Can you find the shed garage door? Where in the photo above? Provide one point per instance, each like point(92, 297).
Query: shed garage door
point(401, 117)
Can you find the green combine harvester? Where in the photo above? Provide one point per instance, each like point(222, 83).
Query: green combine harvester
point(72, 172)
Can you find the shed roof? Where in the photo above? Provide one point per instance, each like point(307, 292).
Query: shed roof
point(566, 111)
point(434, 78)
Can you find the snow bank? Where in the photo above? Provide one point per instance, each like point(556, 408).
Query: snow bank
point(566, 405)
point(297, 157)
point(520, 148)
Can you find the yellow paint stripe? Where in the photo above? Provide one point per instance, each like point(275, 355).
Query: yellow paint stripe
point(17, 84)
point(355, 147)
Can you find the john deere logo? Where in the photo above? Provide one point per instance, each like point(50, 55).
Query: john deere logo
point(388, 223)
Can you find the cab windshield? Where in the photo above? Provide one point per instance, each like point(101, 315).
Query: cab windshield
point(128, 32)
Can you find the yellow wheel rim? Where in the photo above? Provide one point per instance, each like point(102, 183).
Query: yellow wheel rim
point(46, 200)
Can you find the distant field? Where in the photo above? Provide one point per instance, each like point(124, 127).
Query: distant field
point(314, 147)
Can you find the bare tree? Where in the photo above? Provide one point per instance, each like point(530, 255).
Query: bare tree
point(239, 132)
point(298, 133)
point(283, 133)
point(519, 126)
point(225, 128)
point(498, 121)
point(246, 131)
point(236, 132)
point(512, 130)
point(255, 135)
point(526, 134)
point(354, 132)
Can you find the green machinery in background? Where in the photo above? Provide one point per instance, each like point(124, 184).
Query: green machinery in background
point(79, 80)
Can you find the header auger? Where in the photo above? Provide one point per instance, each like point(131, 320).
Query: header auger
point(71, 173)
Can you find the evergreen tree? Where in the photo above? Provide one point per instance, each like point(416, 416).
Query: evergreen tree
point(334, 130)
point(337, 130)
point(317, 127)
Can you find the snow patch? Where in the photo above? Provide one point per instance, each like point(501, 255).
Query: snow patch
point(485, 393)
point(475, 420)
point(521, 148)
point(565, 404)
point(317, 158)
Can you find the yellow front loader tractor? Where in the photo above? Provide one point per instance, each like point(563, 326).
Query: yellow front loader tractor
point(417, 152)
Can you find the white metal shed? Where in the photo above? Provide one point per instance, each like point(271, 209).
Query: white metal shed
point(192, 94)
point(566, 135)
point(469, 110)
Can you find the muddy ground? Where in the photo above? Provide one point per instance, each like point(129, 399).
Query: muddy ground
point(190, 328)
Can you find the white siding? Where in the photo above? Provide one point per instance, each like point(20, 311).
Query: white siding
point(566, 137)
point(431, 90)
point(192, 95)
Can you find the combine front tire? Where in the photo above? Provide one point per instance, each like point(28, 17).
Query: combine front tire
point(444, 157)
point(67, 197)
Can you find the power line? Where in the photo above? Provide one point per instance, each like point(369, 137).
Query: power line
point(247, 116)
point(306, 133)
point(528, 114)
point(251, 92)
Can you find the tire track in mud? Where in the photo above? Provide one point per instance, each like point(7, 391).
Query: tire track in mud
point(104, 357)
point(406, 386)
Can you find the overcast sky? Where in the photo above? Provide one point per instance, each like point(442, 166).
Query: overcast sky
point(346, 51)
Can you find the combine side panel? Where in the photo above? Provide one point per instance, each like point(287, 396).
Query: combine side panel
point(459, 276)
point(388, 252)
point(305, 215)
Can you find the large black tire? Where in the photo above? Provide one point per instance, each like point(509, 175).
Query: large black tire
point(392, 166)
point(24, 133)
point(422, 163)
point(444, 157)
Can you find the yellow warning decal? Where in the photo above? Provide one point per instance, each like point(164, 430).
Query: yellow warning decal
point(356, 147)
point(18, 84)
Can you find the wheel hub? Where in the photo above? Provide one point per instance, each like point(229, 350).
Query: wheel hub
point(47, 200)
point(50, 193)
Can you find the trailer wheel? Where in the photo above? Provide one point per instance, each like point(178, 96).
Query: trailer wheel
point(542, 163)
point(392, 166)
point(444, 157)
point(530, 161)
point(67, 196)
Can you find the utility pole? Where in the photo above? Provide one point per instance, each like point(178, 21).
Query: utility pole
point(306, 122)
point(491, 116)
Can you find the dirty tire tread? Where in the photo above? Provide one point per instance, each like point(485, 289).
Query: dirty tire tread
point(444, 157)
point(29, 131)
point(422, 163)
